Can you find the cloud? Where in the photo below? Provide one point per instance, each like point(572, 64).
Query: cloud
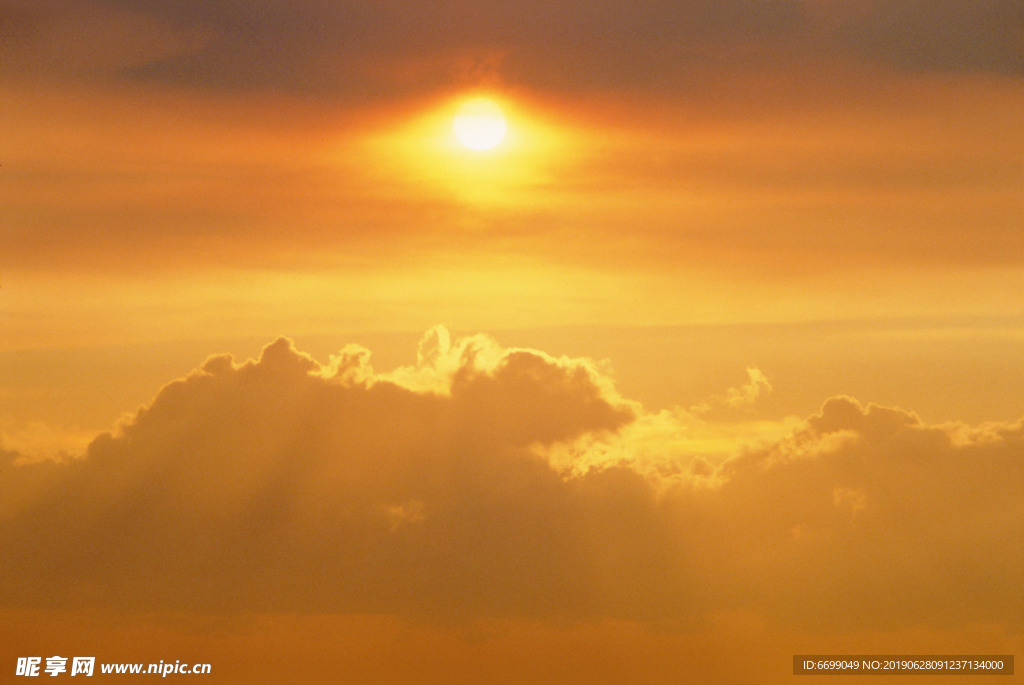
point(367, 50)
point(278, 482)
point(83, 40)
point(220, 123)
point(942, 35)
point(748, 393)
point(737, 400)
point(448, 489)
point(867, 511)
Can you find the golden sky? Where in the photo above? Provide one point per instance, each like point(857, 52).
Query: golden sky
point(714, 359)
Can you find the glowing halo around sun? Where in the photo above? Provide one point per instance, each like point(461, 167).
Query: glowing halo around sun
point(480, 124)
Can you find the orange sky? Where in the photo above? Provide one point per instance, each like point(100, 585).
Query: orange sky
point(721, 346)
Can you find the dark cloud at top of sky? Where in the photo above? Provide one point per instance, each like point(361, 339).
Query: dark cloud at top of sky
point(367, 50)
point(373, 49)
point(941, 35)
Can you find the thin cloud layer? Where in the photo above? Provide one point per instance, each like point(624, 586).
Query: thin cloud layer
point(369, 50)
point(155, 137)
point(374, 48)
point(434, 490)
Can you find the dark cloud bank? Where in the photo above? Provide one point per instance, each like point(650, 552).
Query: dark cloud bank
point(359, 49)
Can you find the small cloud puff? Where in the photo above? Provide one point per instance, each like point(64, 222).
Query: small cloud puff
point(737, 401)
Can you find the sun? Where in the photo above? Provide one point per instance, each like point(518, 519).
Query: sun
point(480, 124)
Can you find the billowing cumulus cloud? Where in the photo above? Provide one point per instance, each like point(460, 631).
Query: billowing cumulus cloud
point(448, 489)
point(283, 483)
point(869, 512)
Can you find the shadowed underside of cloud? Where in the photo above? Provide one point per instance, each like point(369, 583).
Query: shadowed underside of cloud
point(284, 484)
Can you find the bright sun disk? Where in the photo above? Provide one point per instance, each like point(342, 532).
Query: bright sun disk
point(480, 124)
